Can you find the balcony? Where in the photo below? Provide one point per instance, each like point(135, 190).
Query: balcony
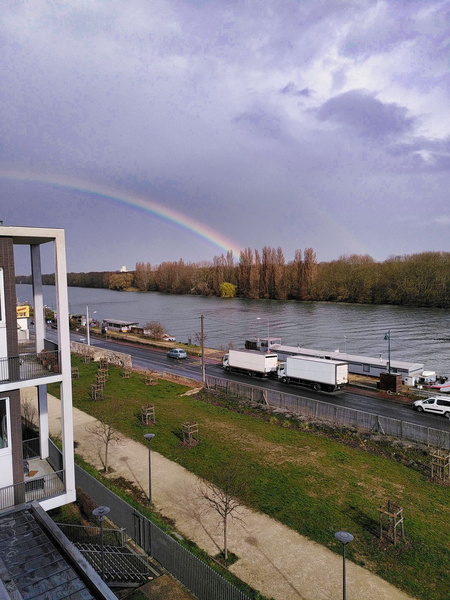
point(41, 482)
point(29, 366)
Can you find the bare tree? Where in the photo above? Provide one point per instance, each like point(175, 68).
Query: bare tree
point(224, 497)
point(198, 337)
point(29, 414)
point(155, 330)
point(105, 435)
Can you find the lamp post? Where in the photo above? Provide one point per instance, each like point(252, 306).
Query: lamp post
point(88, 332)
point(100, 513)
point(202, 334)
point(268, 341)
point(388, 338)
point(149, 437)
point(344, 537)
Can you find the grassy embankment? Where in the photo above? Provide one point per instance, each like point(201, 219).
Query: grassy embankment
point(313, 480)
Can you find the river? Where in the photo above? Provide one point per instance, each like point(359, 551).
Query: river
point(417, 334)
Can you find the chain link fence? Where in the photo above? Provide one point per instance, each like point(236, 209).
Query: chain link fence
point(331, 414)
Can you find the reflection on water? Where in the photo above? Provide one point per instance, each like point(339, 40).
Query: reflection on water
point(417, 334)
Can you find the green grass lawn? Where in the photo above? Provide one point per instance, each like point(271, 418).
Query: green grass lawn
point(313, 483)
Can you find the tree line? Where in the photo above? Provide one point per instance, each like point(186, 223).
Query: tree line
point(410, 280)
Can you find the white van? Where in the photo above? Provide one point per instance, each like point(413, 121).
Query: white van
point(439, 405)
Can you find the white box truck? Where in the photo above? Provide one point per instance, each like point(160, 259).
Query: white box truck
point(317, 373)
point(251, 362)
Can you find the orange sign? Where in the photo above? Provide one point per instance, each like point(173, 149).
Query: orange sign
point(22, 311)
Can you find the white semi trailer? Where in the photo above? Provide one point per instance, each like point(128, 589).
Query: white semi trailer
point(251, 362)
point(317, 373)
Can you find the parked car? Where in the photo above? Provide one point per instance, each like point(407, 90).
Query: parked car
point(177, 353)
point(169, 338)
point(440, 405)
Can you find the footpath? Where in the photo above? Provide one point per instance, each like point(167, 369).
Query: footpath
point(273, 559)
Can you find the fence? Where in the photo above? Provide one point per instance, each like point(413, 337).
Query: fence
point(34, 489)
point(332, 413)
point(195, 575)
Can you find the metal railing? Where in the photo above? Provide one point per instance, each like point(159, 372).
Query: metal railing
point(29, 366)
point(193, 573)
point(333, 414)
point(87, 534)
point(31, 448)
point(37, 488)
point(119, 566)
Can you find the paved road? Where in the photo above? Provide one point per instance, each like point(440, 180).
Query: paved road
point(156, 359)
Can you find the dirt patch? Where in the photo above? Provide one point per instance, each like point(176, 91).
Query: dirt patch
point(161, 587)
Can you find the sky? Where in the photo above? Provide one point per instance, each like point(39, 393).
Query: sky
point(154, 130)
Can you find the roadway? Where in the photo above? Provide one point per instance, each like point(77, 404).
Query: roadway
point(155, 359)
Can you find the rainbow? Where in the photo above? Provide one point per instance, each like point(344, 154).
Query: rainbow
point(121, 197)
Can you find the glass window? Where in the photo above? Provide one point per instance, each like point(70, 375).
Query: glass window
point(3, 424)
point(366, 368)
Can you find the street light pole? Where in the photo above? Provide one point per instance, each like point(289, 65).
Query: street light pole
point(100, 513)
point(268, 342)
point(202, 334)
point(388, 338)
point(149, 437)
point(344, 537)
point(88, 333)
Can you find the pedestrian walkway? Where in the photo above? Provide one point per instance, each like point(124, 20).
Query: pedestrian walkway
point(273, 559)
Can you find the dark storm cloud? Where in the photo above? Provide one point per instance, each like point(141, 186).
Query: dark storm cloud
point(366, 115)
point(292, 90)
point(269, 121)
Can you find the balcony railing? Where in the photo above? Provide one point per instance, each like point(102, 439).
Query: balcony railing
point(38, 488)
point(29, 366)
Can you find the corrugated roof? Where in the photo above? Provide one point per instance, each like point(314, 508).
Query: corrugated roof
point(37, 562)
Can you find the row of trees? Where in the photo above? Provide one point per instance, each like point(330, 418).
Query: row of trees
point(411, 280)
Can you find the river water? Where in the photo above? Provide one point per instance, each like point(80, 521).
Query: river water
point(417, 334)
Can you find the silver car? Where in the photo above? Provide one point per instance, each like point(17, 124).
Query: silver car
point(177, 353)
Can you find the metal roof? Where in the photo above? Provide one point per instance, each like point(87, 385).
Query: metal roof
point(38, 562)
point(351, 358)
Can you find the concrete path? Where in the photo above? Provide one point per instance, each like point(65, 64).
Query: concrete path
point(272, 558)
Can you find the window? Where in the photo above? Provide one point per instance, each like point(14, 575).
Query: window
point(366, 368)
point(4, 424)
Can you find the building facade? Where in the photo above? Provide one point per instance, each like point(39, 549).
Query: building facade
point(27, 471)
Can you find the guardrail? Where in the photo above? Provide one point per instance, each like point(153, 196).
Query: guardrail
point(29, 366)
point(38, 488)
point(331, 413)
point(87, 534)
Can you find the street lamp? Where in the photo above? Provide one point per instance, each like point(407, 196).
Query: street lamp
point(149, 437)
point(344, 537)
point(388, 338)
point(88, 332)
point(100, 513)
point(268, 341)
point(202, 334)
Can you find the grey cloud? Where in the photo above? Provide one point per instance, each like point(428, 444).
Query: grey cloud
point(366, 115)
point(291, 89)
point(424, 155)
point(261, 122)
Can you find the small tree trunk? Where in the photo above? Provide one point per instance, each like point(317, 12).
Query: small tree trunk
point(225, 547)
point(106, 458)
